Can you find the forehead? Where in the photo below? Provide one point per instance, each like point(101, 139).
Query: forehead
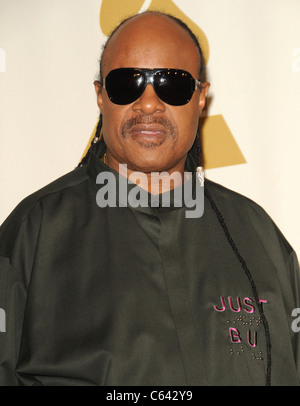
point(151, 41)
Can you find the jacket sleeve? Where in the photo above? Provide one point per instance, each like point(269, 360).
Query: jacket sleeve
point(18, 240)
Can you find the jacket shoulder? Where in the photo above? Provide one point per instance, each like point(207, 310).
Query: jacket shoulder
point(242, 212)
point(28, 207)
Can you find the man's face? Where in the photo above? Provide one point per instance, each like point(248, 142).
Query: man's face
point(148, 134)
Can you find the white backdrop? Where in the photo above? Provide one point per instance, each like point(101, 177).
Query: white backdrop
point(49, 51)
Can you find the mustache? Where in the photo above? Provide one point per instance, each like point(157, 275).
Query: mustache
point(147, 121)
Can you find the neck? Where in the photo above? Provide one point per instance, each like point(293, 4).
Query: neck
point(155, 182)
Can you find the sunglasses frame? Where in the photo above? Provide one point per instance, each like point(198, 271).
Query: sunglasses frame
point(149, 74)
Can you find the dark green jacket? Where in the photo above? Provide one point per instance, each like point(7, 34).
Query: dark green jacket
point(142, 296)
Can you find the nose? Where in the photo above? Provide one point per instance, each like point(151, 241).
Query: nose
point(149, 102)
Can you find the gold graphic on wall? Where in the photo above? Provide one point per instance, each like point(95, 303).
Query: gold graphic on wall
point(219, 146)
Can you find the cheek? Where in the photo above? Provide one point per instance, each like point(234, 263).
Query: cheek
point(187, 124)
point(113, 118)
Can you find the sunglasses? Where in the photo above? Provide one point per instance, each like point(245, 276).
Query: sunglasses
point(172, 86)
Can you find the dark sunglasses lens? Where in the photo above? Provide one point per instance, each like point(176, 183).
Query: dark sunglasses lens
point(124, 85)
point(174, 87)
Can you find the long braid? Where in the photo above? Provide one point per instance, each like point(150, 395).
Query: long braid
point(252, 283)
point(248, 274)
point(197, 151)
point(98, 135)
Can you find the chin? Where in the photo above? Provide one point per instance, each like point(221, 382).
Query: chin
point(150, 157)
point(149, 164)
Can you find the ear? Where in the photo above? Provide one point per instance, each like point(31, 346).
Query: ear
point(203, 94)
point(98, 89)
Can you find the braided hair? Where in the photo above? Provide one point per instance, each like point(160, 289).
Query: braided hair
point(98, 135)
point(196, 153)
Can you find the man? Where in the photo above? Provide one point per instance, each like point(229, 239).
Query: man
point(136, 294)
